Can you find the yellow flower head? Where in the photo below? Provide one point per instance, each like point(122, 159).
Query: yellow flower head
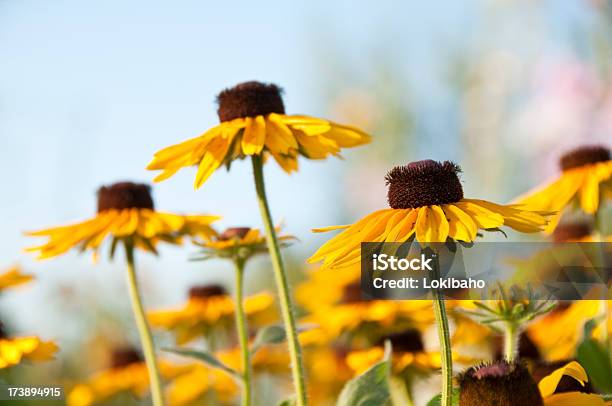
point(239, 243)
point(127, 372)
point(125, 213)
point(15, 350)
point(210, 307)
point(427, 204)
point(253, 122)
point(585, 179)
point(13, 277)
point(340, 309)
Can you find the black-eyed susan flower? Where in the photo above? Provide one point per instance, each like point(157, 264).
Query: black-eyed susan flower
point(194, 386)
point(340, 312)
point(239, 244)
point(14, 277)
point(584, 180)
point(126, 373)
point(126, 215)
point(253, 122)
point(558, 333)
point(501, 383)
point(508, 384)
point(15, 350)
point(210, 308)
point(426, 203)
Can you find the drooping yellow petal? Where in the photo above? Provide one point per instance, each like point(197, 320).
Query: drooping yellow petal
point(308, 125)
point(316, 146)
point(461, 227)
point(254, 136)
point(589, 195)
point(549, 383)
point(346, 136)
point(213, 158)
point(483, 217)
point(431, 225)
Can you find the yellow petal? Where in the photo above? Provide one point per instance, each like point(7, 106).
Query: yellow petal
point(483, 217)
point(461, 227)
point(213, 158)
point(254, 135)
point(431, 225)
point(549, 383)
point(575, 399)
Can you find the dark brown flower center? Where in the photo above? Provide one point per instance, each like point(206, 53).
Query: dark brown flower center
point(122, 357)
point(566, 384)
point(206, 291)
point(501, 384)
point(125, 195)
point(407, 341)
point(249, 99)
point(233, 233)
point(352, 293)
point(584, 156)
point(571, 231)
point(423, 183)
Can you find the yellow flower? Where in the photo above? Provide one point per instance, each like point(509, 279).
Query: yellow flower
point(209, 307)
point(13, 277)
point(239, 243)
point(253, 122)
point(548, 386)
point(125, 212)
point(127, 373)
point(188, 388)
point(558, 333)
point(585, 179)
point(427, 203)
point(14, 350)
point(339, 308)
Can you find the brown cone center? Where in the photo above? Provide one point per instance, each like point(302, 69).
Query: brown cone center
point(499, 383)
point(406, 341)
point(233, 233)
point(584, 156)
point(249, 99)
point(206, 291)
point(423, 183)
point(123, 357)
point(125, 195)
point(571, 231)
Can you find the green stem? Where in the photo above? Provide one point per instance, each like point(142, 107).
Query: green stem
point(282, 284)
point(445, 347)
point(243, 334)
point(511, 338)
point(144, 332)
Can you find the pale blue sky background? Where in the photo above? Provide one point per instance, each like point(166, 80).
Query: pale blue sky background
point(89, 90)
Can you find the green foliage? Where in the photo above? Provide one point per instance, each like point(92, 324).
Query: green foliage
point(268, 335)
point(595, 358)
point(370, 388)
point(437, 400)
point(207, 358)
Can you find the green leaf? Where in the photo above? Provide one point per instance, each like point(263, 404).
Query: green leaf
point(370, 388)
point(274, 334)
point(288, 402)
point(207, 358)
point(595, 359)
point(437, 400)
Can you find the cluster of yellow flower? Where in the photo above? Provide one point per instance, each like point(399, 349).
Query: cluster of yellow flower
point(343, 335)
